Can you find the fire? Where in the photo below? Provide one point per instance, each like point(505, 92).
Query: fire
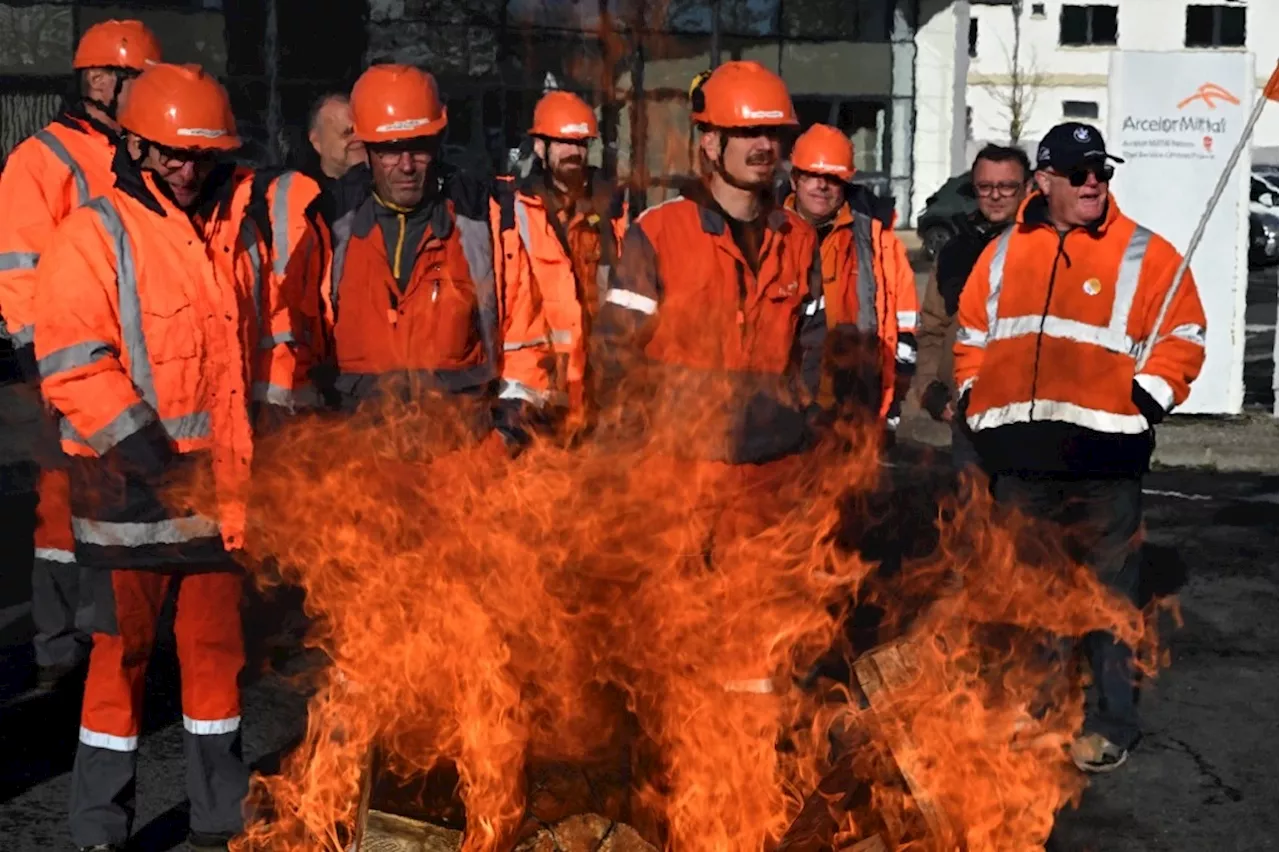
point(615, 604)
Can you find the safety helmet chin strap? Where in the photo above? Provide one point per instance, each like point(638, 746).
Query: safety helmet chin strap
point(113, 106)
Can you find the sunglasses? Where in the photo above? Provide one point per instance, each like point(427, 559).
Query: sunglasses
point(1079, 175)
point(176, 158)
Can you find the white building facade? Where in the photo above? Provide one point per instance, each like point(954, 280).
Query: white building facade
point(1062, 50)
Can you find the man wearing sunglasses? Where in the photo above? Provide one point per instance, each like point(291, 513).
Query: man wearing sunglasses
point(412, 291)
point(143, 339)
point(1074, 342)
point(46, 177)
point(561, 226)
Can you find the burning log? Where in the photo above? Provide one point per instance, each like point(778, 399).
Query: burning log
point(586, 833)
point(390, 833)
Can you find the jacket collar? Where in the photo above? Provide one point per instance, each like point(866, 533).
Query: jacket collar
point(1034, 213)
point(75, 117)
point(435, 210)
point(712, 218)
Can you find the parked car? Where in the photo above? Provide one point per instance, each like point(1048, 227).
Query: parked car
point(943, 212)
point(1264, 223)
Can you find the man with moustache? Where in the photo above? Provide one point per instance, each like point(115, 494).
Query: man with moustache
point(560, 229)
point(1001, 179)
point(717, 296)
point(143, 335)
point(412, 292)
point(1074, 342)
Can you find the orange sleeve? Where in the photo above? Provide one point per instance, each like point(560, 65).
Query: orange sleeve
point(34, 198)
point(903, 280)
point(78, 338)
point(1176, 349)
point(524, 342)
point(972, 326)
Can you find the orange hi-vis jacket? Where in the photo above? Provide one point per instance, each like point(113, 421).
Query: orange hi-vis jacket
point(439, 324)
point(270, 218)
point(45, 177)
point(736, 353)
point(566, 257)
point(869, 288)
point(142, 340)
point(1052, 327)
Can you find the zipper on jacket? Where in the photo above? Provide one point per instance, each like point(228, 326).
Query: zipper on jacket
point(1044, 316)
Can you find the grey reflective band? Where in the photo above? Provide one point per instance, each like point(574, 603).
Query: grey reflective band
point(138, 534)
point(13, 260)
point(995, 277)
point(71, 357)
point(280, 223)
point(249, 239)
point(54, 144)
point(270, 341)
point(24, 336)
point(477, 248)
point(130, 307)
point(125, 424)
point(188, 426)
point(868, 320)
point(341, 234)
point(522, 222)
point(292, 399)
point(1127, 280)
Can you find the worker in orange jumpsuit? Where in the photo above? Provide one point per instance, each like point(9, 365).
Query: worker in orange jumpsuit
point(46, 177)
point(1076, 339)
point(142, 337)
point(412, 291)
point(560, 228)
point(868, 285)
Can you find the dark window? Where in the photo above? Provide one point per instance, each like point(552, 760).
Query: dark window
point(811, 110)
point(1079, 109)
point(1087, 25)
point(1215, 26)
point(973, 37)
point(1037, 10)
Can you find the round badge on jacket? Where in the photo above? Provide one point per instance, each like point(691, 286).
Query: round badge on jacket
point(1093, 286)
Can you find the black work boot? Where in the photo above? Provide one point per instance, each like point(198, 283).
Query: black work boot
point(200, 842)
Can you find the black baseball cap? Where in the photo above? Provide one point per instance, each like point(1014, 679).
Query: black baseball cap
point(1070, 144)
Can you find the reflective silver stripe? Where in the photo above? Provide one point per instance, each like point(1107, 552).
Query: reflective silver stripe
point(55, 554)
point(71, 357)
point(188, 426)
point(249, 239)
point(477, 247)
point(1062, 412)
point(632, 301)
point(341, 234)
point(1127, 278)
point(1190, 332)
point(60, 151)
point(1159, 389)
point(971, 337)
point(511, 389)
point(210, 727)
point(268, 342)
point(292, 399)
point(125, 424)
point(811, 307)
point(995, 279)
point(1008, 328)
point(130, 308)
point(868, 318)
point(562, 338)
point(908, 319)
point(24, 336)
point(522, 222)
point(11, 260)
point(138, 534)
point(280, 223)
point(107, 741)
point(906, 353)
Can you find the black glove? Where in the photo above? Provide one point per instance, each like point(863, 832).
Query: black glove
point(935, 398)
point(146, 454)
point(1152, 410)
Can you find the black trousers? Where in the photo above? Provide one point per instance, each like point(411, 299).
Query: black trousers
point(1101, 520)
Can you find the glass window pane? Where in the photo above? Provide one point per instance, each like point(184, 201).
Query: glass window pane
point(1232, 32)
point(1073, 25)
point(1199, 31)
point(1104, 25)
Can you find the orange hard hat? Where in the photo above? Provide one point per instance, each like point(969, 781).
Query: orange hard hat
point(180, 106)
point(743, 94)
point(117, 44)
point(563, 115)
point(393, 102)
point(824, 150)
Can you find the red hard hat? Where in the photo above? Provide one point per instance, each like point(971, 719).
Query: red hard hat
point(563, 115)
point(823, 150)
point(393, 102)
point(743, 94)
point(180, 106)
point(117, 44)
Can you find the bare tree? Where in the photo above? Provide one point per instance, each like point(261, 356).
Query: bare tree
point(1017, 96)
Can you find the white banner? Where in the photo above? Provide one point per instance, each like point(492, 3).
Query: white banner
point(1174, 117)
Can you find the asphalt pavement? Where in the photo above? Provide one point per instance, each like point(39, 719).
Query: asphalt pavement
point(1203, 777)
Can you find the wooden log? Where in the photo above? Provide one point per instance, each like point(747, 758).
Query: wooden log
point(586, 833)
point(391, 833)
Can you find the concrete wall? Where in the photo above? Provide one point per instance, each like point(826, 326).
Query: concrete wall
point(1080, 73)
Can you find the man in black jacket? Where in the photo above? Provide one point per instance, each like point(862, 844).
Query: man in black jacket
point(339, 162)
